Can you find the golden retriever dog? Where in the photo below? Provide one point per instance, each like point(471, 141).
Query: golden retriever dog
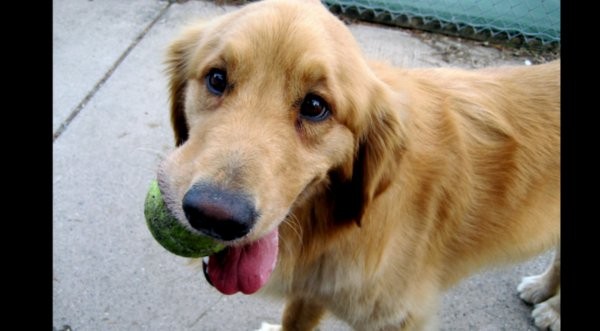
point(351, 186)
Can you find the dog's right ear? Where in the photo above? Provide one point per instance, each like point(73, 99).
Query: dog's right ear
point(379, 153)
point(178, 70)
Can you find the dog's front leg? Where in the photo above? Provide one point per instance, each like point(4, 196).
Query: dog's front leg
point(301, 315)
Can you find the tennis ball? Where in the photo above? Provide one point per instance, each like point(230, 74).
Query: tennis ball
point(170, 233)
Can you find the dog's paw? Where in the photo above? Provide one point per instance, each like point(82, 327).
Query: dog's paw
point(534, 289)
point(269, 327)
point(546, 315)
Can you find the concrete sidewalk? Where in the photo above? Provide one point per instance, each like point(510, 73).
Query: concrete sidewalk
point(111, 125)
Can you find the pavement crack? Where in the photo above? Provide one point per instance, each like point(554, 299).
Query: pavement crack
point(205, 312)
point(65, 124)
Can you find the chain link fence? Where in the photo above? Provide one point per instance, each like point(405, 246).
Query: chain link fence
point(518, 22)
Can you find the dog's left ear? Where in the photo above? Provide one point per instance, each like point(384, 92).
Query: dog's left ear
point(378, 156)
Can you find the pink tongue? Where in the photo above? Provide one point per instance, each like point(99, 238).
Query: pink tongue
point(244, 268)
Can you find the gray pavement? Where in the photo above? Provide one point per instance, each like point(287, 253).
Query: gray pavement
point(111, 125)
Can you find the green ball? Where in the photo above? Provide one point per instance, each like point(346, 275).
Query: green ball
point(170, 233)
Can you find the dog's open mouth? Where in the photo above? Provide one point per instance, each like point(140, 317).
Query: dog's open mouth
point(236, 268)
point(243, 268)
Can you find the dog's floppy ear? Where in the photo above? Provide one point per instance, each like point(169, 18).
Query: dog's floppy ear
point(378, 155)
point(178, 58)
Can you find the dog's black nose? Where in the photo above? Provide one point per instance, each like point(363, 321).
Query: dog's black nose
point(219, 213)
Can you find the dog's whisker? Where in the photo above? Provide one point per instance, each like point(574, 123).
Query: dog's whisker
point(292, 221)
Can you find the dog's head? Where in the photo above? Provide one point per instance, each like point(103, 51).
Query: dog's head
point(267, 102)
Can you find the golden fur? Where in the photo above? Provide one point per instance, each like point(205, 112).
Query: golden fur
point(419, 178)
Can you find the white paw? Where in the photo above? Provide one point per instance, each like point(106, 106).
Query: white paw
point(534, 289)
point(269, 327)
point(546, 317)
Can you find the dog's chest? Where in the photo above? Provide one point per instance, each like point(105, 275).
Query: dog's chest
point(324, 278)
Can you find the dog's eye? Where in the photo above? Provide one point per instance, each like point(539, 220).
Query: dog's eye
point(216, 81)
point(314, 108)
